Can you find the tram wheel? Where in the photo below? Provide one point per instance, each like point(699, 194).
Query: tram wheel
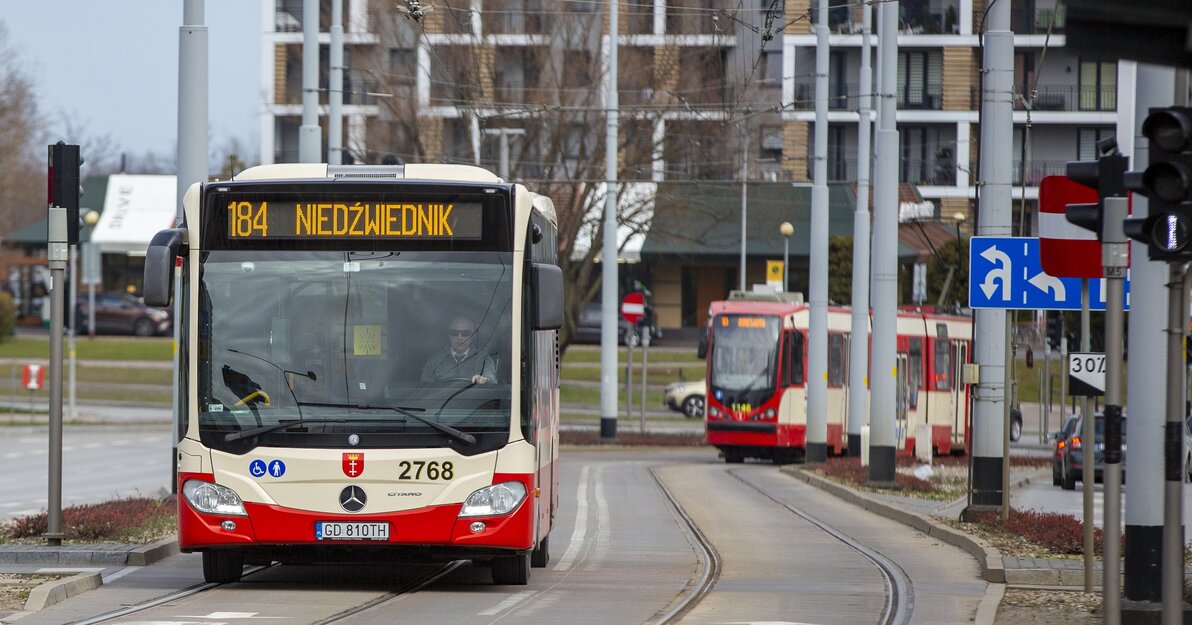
point(511, 570)
point(540, 557)
point(223, 566)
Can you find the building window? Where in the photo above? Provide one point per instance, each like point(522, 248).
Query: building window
point(1086, 142)
point(919, 73)
point(1098, 86)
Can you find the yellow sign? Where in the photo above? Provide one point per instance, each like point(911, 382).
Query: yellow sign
point(366, 340)
point(774, 271)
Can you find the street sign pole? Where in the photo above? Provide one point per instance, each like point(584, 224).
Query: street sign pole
point(1116, 258)
point(1087, 473)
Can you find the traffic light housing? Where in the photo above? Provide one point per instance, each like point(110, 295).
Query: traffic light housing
point(1055, 329)
point(1106, 175)
point(64, 188)
point(1167, 183)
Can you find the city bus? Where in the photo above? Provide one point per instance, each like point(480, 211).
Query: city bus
point(368, 367)
point(756, 403)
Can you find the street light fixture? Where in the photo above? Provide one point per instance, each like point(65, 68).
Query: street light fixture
point(787, 230)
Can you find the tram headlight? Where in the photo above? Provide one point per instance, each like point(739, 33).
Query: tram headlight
point(494, 500)
point(210, 498)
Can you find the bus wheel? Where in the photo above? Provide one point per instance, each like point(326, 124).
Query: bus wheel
point(540, 557)
point(223, 566)
point(511, 570)
point(733, 457)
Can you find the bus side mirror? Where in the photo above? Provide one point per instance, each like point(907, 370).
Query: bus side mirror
point(159, 266)
point(547, 283)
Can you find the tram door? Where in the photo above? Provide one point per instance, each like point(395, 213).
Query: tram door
point(959, 397)
point(902, 396)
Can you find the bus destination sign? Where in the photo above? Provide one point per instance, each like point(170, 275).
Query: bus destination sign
point(352, 219)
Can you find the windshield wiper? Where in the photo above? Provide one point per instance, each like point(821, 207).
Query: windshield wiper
point(265, 429)
point(462, 437)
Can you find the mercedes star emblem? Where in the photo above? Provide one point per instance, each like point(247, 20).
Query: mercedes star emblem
point(352, 499)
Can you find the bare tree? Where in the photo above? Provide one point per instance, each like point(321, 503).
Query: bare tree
point(22, 161)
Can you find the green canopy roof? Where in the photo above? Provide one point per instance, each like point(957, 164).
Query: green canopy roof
point(95, 189)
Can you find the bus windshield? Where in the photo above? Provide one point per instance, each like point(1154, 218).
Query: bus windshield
point(744, 353)
point(352, 340)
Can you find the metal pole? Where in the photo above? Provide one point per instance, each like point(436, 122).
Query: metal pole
point(504, 171)
point(883, 438)
point(1115, 259)
point(72, 312)
point(608, 302)
point(58, 254)
point(817, 327)
point(858, 383)
point(645, 360)
point(786, 259)
point(1173, 445)
point(994, 219)
point(1006, 429)
point(1089, 450)
point(628, 377)
point(744, 196)
point(309, 139)
point(192, 168)
point(335, 92)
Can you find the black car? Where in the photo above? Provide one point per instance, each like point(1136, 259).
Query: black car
point(1074, 458)
point(1061, 441)
point(588, 328)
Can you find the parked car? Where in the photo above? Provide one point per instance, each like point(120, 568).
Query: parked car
point(122, 313)
point(1015, 424)
point(1075, 449)
point(1061, 440)
point(687, 397)
point(588, 328)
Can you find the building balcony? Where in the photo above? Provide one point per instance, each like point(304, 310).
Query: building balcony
point(1036, 20)
point(1068, 98)
point(928, 97)
point(1035, 171)
point(935, 172)
point(841, 96)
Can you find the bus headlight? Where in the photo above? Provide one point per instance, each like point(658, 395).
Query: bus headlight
point(212, 498)
point(494, 500)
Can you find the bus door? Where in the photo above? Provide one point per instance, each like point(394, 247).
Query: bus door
point(902, 397)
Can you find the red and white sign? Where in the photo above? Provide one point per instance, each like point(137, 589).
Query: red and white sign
point(353, 464)
point(34, 377)
point(633, 307)
point(1065, 249)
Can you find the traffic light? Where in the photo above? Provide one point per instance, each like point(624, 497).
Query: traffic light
point(1055, 329)
point(1106, 175)
point(64, 189)
point(1167, 183)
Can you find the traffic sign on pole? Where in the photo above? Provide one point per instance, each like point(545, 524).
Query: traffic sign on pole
point(1065, 249)
point(1086, 374)
point(633, 307)
point(1006, 273)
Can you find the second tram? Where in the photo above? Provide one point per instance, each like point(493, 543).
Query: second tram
point(756, 402)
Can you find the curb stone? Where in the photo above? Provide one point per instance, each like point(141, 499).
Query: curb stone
point(988, 558)
point(49, 593)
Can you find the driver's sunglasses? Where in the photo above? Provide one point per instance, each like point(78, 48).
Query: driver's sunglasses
point(460, 333)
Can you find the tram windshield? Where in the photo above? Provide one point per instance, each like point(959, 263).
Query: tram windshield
point(353, 341)
point(744, 353)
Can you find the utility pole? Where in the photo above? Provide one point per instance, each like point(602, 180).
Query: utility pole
point(192, 164)
point(503, 136)
point(817, 330)
point(608, 302)
point(990, 392)
point(744, 198)
point(858, 407)
point(335, 94)
point(309, 139)
point(882, 436)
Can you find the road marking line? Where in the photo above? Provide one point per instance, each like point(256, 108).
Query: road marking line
point(581, 523)
point(508, 603)
point(603, 525)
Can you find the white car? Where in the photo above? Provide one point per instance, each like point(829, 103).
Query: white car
point(687, 397)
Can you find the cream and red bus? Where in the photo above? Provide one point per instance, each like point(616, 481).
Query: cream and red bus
point(312, 301)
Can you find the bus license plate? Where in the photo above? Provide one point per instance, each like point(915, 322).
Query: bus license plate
point(351, 530)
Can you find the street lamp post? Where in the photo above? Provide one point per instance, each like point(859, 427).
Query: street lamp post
point(787, 230)
point(959, 217)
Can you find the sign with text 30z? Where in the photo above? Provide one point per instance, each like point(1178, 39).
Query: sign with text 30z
point(1086, 374)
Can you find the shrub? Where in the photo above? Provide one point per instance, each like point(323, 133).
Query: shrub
point(110, 520)
point(1059, 533)
point(8, 315)
point(849, 469)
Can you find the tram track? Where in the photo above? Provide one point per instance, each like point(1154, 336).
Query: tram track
point(900, 592)
point(709, 573)
point(415, 585)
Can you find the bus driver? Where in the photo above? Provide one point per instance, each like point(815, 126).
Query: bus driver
point(459, 361)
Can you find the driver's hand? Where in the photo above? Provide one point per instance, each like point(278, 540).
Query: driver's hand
point(479, 379)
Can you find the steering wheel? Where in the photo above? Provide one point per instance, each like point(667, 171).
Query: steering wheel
point(255, 397)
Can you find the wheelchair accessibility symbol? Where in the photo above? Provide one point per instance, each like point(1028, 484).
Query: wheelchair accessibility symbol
point(257, 468)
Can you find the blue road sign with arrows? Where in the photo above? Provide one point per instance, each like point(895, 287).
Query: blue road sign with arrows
point(1005, 272)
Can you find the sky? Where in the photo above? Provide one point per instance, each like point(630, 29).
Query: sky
point(112, 67)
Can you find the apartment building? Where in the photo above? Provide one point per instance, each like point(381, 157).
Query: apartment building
point(709, 90)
